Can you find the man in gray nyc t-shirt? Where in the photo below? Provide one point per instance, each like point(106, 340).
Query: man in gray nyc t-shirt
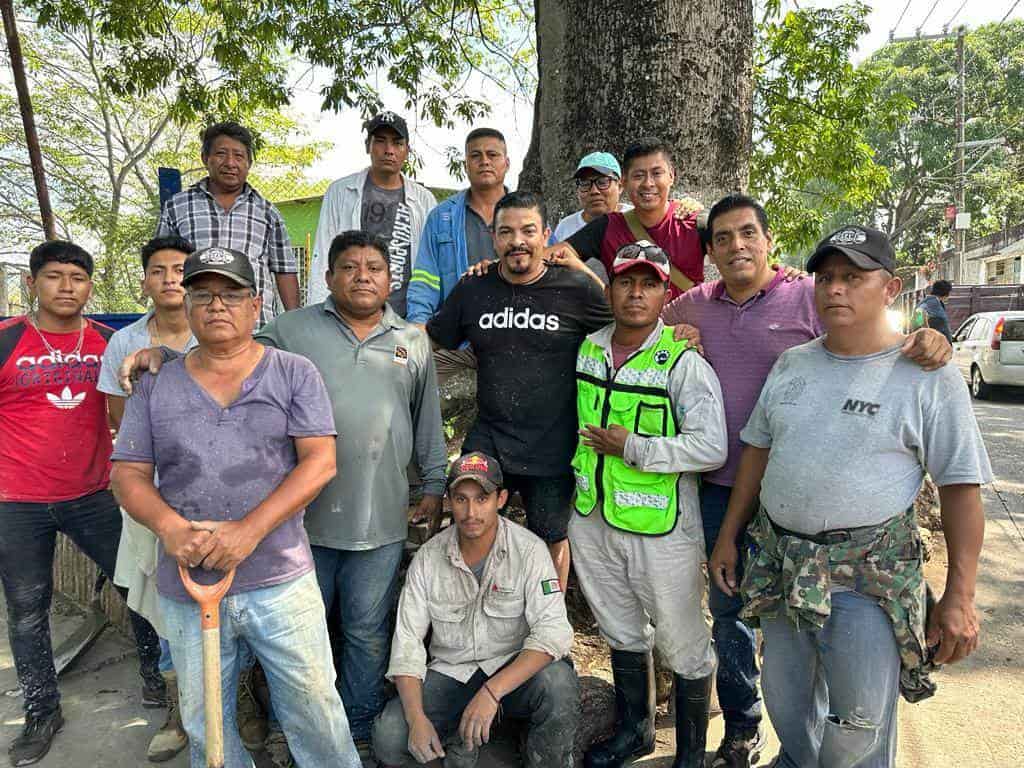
point(836, 449)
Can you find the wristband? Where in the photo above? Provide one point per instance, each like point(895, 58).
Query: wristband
point(491, 693)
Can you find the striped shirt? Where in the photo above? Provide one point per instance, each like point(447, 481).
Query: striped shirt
point(252, 225)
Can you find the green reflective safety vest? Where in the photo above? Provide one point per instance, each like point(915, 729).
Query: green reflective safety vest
point(636, 398)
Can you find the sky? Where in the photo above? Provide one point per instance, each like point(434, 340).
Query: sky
point(343, 131)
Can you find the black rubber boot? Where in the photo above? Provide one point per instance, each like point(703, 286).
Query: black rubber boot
point(693, 700)
point(634, 713)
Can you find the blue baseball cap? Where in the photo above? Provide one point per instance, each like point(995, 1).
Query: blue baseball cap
point(602, 162)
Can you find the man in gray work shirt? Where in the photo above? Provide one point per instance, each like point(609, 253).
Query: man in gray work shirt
point(380, 376)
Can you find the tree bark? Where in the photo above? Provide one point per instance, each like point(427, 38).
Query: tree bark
point(611, 72)
point(28, 119)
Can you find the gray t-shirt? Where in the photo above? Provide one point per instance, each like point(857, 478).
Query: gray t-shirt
point(219, 463)
point(479, 240)
point(851, 437)
point(386, 215)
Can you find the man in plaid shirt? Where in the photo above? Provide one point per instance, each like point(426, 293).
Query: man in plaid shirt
point(223, 210)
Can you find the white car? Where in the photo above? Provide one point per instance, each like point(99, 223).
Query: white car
point(989, 349)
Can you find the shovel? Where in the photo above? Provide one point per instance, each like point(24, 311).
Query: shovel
point(209, 597)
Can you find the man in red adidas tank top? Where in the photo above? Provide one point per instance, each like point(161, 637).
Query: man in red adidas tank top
point(54, 475)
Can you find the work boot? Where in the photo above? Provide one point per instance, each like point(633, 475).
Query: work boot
point(740, 748)
point(693, 702)
point(171, 738)
point(251, 718)
point(276, 747)
point(634, 712)
point(35, 738)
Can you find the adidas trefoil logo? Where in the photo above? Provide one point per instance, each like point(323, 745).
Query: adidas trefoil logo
point(66, 401)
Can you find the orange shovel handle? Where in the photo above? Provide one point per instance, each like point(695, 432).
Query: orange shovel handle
point(207, 595)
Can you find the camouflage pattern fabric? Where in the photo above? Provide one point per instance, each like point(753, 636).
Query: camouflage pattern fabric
point(793, 576)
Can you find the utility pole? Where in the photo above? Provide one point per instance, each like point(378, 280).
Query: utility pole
point(28, 120)
point(961, 138)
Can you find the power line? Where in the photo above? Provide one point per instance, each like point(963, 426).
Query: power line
point(934, 6)
point(900, 19)
point(1012, 7)
point(953, 17)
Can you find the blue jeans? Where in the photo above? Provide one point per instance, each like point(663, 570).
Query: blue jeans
point(286, 629)
point(736, 678)
point(831, 693)
point(27, 543)
point(365, 583)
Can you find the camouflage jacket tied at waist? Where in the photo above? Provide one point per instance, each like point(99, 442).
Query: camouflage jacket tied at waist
point(794, 576)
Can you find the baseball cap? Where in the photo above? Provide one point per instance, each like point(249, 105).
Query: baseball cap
point(867, 248)
point(227, 262)
point(602, 162)
point(641, 252)
point(478, 467)
point(387, 119)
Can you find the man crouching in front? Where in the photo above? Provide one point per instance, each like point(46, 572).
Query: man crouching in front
point(488, 590)
point(242, 437)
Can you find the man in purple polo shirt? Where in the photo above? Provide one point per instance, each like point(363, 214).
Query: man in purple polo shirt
point(745, 321)
point(243, 438)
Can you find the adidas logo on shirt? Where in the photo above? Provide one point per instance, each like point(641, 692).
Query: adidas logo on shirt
point(523, 319)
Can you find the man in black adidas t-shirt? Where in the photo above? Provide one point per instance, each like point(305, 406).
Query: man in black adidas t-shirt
point(525, 321)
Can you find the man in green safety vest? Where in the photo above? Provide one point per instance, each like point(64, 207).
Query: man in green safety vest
point(651, 419)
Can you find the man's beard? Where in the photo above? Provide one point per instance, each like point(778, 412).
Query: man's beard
point(518, 261)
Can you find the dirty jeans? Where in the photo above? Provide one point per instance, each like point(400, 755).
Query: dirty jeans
point(286, 629)
point(27, 542)
point(831, 694)
point(549, 701)
point(735, 644)
point(365, 583)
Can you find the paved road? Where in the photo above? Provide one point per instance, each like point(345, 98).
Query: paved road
point(976, 719)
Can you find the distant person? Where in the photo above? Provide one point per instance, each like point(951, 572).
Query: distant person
point(933, 307)
point(224, 210)
point(379, 200)
point(486, 592)
point(55, 477)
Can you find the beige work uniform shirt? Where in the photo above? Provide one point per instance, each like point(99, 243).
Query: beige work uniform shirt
point(517, 605)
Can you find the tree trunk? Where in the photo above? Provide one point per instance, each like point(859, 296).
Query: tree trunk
point(610, 72)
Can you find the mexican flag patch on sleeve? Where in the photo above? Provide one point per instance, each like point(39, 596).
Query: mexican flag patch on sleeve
point(550, 586)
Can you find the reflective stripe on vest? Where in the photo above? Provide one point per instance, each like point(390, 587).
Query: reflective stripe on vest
point(635, 398)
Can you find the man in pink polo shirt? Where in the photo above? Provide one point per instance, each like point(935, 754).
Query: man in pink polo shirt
point(745, 321)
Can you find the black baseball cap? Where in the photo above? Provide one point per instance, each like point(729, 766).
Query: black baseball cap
point(867, 248)
point(478, 467)
point(226, 262)
point(387, 119)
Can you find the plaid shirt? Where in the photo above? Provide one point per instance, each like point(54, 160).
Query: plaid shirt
point(252, 225)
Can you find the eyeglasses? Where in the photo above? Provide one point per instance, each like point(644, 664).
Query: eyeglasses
point(601, 182)
point(202, 298)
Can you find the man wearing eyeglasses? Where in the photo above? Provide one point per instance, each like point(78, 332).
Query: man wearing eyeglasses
point(650, 419)
point(243, 438)
point(598, 188)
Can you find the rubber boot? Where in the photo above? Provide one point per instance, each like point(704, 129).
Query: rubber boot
point(693, 702)
point(171, 738)
point(634, 712)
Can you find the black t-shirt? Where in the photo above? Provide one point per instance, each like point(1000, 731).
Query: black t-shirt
point(525, 338)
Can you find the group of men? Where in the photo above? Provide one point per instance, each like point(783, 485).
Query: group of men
point(644, 417)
